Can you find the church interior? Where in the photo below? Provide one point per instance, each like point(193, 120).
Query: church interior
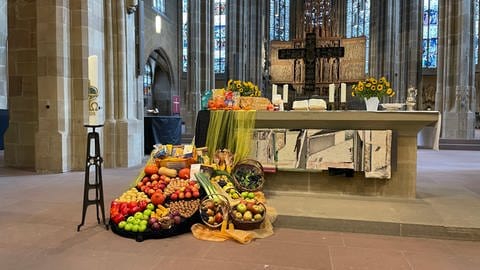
point(145, 67)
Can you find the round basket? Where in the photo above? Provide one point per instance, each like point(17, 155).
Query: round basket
point(248, 175)
point(248, 225)
point(220, 204)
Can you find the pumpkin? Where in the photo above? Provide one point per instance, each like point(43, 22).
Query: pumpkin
point(150, 169)
point(157, 198)
point(184, 173)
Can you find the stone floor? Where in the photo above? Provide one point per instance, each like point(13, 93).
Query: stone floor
point(40, 213)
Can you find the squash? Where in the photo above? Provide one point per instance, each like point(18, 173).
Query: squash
point(184, 173)
point(150, 169)
point(167, 172)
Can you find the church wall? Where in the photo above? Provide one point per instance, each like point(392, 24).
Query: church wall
point(3, 54)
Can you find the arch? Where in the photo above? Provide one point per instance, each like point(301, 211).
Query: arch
point(163, 82)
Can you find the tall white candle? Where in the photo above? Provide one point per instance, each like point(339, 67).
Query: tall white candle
point(274, 91)
point(343, 92)
point(331, 92)
point(285, 93)
point(93, 92)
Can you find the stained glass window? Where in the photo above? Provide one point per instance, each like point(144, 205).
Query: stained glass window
point(219, 36)
point(430, 34)
point(185, 35)
point(147, 80)
point(279, 20)
point(475, 40)
point(358, 22)
point(159, 5)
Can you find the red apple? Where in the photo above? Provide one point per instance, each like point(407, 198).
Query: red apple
point(145, 179)
point(155, 177)
point(188, 195)
point(174, 197)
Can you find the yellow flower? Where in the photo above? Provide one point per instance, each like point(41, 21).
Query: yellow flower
point(379, 87)
point(389, 91)
point(373, 88)
point(387, 84)
point(382, 80)
point(368, 85)
point(374, 81)
point(353, 93)
point(229, 82)
point(360, 89)
point(393, 94)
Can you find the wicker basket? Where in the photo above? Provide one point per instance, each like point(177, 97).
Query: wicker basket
point(248, 225)
point(254, 103)
point(248, 165)
point(222, 204)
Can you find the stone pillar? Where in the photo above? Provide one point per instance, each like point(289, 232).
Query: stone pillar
point(22, 82)
point(455, 96)
point(235, 39)
point(255, 41)
point(3, 55)
point(52, 151)
point(384, 40)
point(78, 102)
point(200, 75)
point(409, 68)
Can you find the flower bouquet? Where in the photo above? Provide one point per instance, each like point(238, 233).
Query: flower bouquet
point(371, 90)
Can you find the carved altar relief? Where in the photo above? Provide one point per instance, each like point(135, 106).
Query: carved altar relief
point(282, 70)
point(352, 65)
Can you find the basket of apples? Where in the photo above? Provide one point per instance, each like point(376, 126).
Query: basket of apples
point(214, 209)
point(249, 214)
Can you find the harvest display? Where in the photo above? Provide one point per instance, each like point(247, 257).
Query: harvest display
point(167, 201)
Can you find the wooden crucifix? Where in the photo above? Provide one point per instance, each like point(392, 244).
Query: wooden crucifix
point(310, 53)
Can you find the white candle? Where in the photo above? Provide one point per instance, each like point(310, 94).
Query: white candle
point(93, 102)
point(331, 92)
point(274, 91)
point(285, 93)
point(343, 92)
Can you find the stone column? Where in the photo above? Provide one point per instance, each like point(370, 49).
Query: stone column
point(79, 77)
point(255, 41)
point(3, 54)
point(384, 40)
point(235, 39)
point(52, 149)
point(200, 75)
point(409, 68)
point(22, 82)
point(455, 96)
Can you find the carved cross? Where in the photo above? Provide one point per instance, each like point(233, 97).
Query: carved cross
point(310, 53)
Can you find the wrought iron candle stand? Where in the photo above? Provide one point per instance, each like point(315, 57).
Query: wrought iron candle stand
point(96, 161)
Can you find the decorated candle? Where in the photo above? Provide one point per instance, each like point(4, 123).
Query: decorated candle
point(343, 92)
point(93, 105)
point(331, 92)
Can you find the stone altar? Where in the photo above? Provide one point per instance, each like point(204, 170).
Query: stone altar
point(404, 125)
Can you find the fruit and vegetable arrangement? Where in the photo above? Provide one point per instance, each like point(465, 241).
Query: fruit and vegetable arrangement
point(167, 201)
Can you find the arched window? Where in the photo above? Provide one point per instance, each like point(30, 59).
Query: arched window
point(430, 34)
point(279, 20)
point(185, 35)
point(358, 22)
point(219, 36)
point(147, 80)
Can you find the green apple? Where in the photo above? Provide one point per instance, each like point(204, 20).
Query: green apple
point(245, 194)
point(147, 212)
point(130, 219)
point(128, 227)
point(145, 217)
point(138, 215)
point(142, 227)
point(135, 228)
point(251, 195)
point(241, 208)
point(238, 215)
point(150, 206)
point(143, 222)
point(257, 217)
point(122, 224)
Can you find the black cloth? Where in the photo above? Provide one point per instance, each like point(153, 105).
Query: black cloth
point(162, 130)
point(3, 126)
point(201, 128)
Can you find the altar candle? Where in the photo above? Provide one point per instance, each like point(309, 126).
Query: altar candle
point(93, 90)
point(331, 92)
point(285, 93)
point(343, 92)
point(274, 91)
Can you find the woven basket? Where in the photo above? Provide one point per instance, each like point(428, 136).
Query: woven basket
point(223, 204)
point(248, 165)
point(248, 225)
point(254, 103)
